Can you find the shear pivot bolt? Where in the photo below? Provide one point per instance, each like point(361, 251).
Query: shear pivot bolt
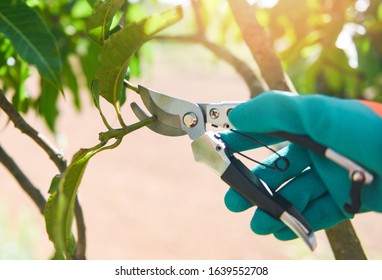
point(190, 120)
point(214, 113)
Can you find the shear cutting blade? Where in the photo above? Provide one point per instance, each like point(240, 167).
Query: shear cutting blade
point(157, 126)
point(170, 113)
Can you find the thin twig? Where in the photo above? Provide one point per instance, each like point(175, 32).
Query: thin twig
point(33, 192)
point(196, 6)
point(124, 9)
point(119, 133)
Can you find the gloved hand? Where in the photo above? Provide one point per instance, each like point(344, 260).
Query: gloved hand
point(318, 187)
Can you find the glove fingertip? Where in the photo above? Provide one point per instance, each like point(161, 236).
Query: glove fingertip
point(262, 223)
point(235, 202)
point(285, 235)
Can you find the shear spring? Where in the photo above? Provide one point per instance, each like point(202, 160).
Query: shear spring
point(281, 163)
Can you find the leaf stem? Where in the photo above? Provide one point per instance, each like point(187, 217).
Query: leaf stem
point(120, 119)
point(129, 85)
point(104, 120)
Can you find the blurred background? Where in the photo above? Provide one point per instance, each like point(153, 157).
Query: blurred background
point(149, 199)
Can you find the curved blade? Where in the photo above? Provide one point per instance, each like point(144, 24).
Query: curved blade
point(171, 111)
point(157, 126)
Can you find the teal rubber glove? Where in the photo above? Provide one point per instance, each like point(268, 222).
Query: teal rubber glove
point(316, 186)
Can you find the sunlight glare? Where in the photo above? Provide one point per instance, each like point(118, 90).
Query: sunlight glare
point(345, 42)
point(264, 3)
point(362, 5)
point(184, 3)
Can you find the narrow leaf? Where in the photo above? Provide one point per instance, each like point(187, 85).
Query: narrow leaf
point(70, 80)
point(32, 39)
point(89, 62)
point(98, 24)
point(60, 205)
point(119, 48)
point(47, 104)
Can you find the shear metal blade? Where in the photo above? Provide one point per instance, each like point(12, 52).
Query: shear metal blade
point(170, 113)
point(157, 126)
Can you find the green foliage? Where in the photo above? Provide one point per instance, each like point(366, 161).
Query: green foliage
point(60, 205)
point(46, 35)
point(326, 46)
point(117, 50)
point(120, 47)
point(53, 36)
point(31, 39)
point(335, 44)
point(99, 23)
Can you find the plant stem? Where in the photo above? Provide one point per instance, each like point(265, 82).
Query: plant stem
point(121, 132)
point(33, 192)
point(196, 6)
point(81, 231)
point(19, 122)
point(56, 157)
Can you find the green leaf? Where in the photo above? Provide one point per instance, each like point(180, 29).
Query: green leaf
point(59, 210)
point(135, 66)
point(99, 23)
point(47, 104)
point(81, 9)
point(54, 184)
point(89, 61)
point(70, 79)
point(119, 48)
point(32, 39)
point(18, 99)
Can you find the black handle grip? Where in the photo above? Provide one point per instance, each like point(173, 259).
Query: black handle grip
point(242, 180)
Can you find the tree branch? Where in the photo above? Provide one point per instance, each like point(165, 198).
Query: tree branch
point(254, 83)
point(33, 192)
point(37, 137)
point(56, 157)
point(259, 44)
point(344, 242)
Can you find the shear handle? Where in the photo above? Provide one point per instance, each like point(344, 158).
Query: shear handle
point(243, 181)
point(307, 142)
point(209, 149)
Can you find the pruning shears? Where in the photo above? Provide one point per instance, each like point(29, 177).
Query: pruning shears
point(176, 117)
